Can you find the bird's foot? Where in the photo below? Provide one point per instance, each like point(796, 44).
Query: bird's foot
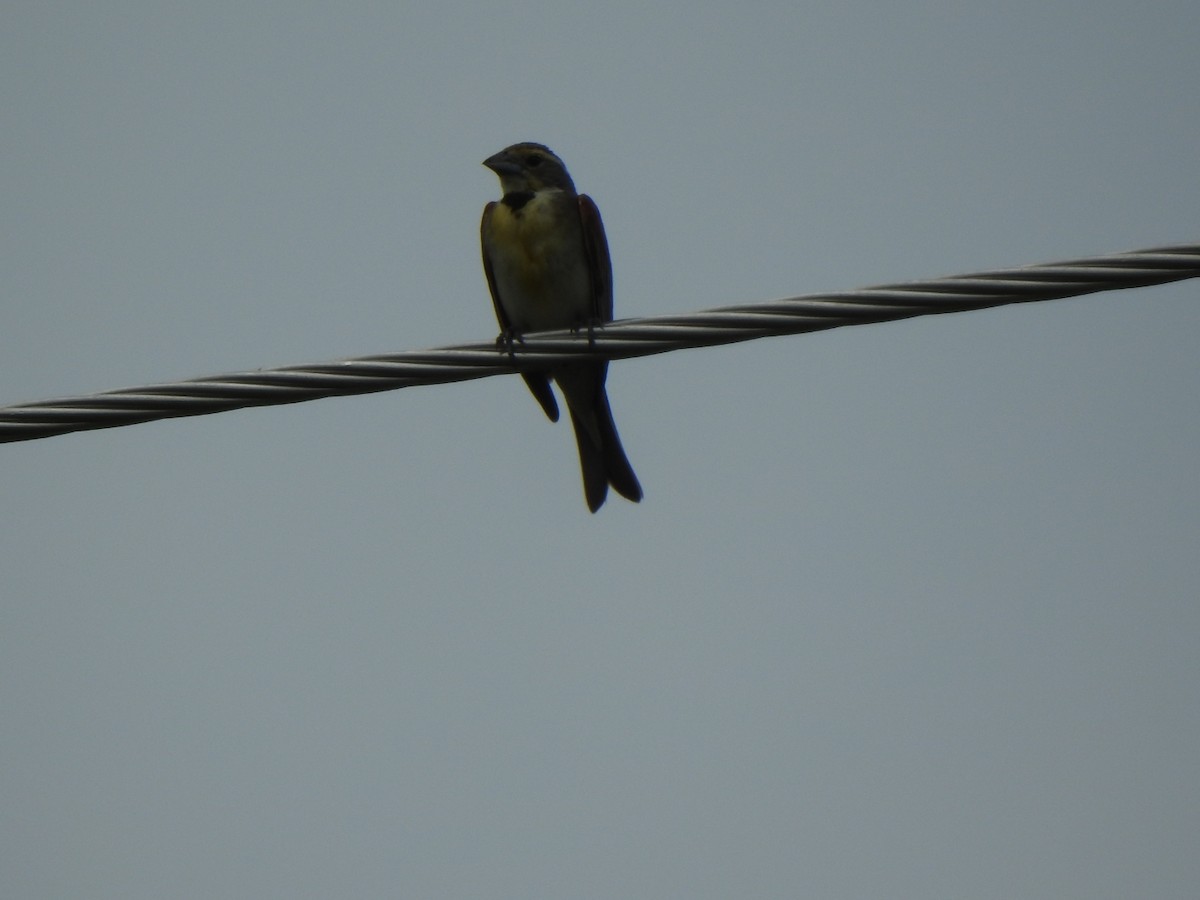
point(592, 324)
point(507, 340)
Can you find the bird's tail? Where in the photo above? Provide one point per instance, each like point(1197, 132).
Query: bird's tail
point(601, 456)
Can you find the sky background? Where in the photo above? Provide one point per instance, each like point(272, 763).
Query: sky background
point(909, 610)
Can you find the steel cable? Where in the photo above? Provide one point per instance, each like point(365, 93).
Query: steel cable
point(616, 340)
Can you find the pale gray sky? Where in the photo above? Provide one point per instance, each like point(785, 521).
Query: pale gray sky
point(909, 610)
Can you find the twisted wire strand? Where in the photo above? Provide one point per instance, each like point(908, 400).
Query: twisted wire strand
point(616, 340)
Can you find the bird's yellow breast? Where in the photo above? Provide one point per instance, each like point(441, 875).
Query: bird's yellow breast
point(522, 240)
point(538, 261)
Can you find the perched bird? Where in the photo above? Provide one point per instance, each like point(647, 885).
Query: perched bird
point(547, 266)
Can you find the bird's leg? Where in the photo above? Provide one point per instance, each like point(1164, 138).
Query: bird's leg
point(593, 322)
point(507, 339)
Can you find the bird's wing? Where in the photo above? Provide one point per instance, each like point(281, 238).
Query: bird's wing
point(599, 263)
point(484, 227)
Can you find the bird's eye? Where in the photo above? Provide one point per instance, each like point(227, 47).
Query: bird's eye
point(533, 160)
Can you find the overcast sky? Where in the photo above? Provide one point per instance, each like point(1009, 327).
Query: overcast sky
point(909, 610)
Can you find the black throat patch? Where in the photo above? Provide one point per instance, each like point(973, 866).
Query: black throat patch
point(514, 200)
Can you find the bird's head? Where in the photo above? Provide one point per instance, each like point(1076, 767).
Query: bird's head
point(529, 167)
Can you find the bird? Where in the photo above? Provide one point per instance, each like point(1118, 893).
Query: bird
point(547, 265)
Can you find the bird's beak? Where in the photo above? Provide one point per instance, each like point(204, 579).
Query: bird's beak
point(502, 164)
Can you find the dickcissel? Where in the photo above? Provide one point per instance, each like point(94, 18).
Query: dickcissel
point(547, 266)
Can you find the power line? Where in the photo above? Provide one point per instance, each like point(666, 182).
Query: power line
point(616, 340)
